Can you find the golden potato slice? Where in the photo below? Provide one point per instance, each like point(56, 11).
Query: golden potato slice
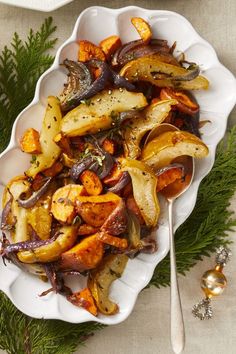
point(160, 151)
point(85, 255)
point(101, 279)
point(63, 202)
point(98, 114)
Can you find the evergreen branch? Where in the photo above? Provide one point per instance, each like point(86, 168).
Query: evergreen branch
point(20, 67)
point(23, 335)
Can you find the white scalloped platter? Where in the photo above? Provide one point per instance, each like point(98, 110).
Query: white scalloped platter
point(40, 5)
point(216, 104)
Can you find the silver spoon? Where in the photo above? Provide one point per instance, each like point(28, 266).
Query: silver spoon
point(171, 193)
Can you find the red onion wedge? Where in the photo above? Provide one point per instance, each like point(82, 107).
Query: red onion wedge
point(31, 201)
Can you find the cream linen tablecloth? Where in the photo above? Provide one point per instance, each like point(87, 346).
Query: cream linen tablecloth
point(146, 331)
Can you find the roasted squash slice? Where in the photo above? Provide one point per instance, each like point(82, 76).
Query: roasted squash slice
point(89, 119)
point(50, 150)
point(100, 280)
point(161, 74)
point(160, 151)
point(85, 255)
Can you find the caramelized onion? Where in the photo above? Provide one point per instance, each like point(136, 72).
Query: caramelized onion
point(137, 49)
point(79, 79)
point(31, 201)
point(122, 182)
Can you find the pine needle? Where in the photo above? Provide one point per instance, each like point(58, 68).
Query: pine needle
point(206, 228)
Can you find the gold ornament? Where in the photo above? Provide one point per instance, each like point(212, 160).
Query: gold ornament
point(213, 283)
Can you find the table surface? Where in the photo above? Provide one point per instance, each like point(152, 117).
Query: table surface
point(147, 329)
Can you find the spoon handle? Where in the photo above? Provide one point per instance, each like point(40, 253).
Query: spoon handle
point(177, 322)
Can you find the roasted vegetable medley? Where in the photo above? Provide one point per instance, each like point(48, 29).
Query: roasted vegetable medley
point(89, 200)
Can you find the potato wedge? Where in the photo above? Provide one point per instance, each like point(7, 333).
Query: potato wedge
point(63, 202)
point(160, 151)
point(137, 127)
point(109, 146)
point(143, 28)
point(95, 210)
point(30, 142)
point(85, 255)
point(89, 119)
point(50, 128)
point(85, 300)
point(52, 251)
point(100, 280)
point(91, 182)
point(151, 69)
point(144, 184)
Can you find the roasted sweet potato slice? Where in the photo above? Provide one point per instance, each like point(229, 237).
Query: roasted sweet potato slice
point(116, 222)
point(30, 142)
point(109, 45)
point(109, 146)
point(91, 182)
point(84, 299)
point(143, 28)
point(64, 143)
point(112, 240)
point(86, 230)
point(88, 51)
point(63, 202)
point(168, 177)
point(95, 210)
point(85, 255)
